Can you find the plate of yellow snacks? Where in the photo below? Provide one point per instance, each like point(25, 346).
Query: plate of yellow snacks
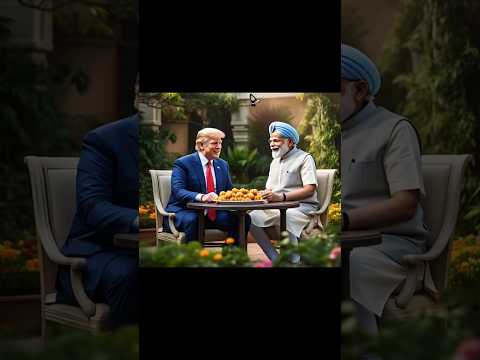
point(235, 196)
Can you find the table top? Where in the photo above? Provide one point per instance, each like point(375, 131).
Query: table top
point(244, 205)
point(351, 239)
point(126, 240)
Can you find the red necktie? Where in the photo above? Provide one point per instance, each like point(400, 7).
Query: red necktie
point(211, 213)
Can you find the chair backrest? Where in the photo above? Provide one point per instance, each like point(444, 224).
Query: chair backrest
point(161, 185)
point(53, 192)
point(443, 178)
point(325, 179)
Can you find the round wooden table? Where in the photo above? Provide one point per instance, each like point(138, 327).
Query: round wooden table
point(241, 209)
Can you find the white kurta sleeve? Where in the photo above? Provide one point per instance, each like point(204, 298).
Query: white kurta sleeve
point(308, 171)
point(402, 161)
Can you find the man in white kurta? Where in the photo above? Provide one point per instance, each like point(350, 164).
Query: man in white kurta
point(292, 176)
point(382, 186)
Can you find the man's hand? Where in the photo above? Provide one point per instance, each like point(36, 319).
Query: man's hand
point(270, 196)
point(210, 197)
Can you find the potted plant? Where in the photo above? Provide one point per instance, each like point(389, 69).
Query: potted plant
point(19, 288)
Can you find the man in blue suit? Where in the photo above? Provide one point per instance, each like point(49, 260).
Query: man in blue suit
point(200, 177)
point(107, 204)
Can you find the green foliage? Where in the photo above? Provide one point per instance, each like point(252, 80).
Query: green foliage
point(432, 335)
point(178, 106)
point(120, 345)
point(192, 255)
point(464, 269)
point(319, 130)
point(152, 155)
point(315, 251)
point(31, 125)
point(257, 183)
point(438, 332)
point(241, 160)
point(431, 71)
point(80, 18)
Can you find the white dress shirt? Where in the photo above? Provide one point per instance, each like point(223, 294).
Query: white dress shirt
point(204, 162)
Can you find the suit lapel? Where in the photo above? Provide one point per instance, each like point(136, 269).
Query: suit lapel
point(197, 164)
point(218, 175)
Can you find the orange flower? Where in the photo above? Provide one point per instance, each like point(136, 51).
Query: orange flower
point(8, 253)
point(32, 265)
point(230, 241)
point(142, 210)
point(203, 253)
point(152, 216)
point(217, 257)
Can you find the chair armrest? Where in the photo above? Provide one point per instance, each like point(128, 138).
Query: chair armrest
point(171, 217)
point(88, 306)
point(430, 255)
point(76, 265)
point(318, 212)
point(408, 288)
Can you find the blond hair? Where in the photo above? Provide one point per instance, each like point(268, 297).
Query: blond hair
point(207, 134)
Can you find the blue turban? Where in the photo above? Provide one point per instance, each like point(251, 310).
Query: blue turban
point(358, 66)
point(285, 130)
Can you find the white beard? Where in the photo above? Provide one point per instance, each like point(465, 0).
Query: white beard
point(280, 152)
point(347, 105)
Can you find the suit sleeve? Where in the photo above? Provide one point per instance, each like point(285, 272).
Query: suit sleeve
point(179, 183)
point(229, 179)
point(95, 189)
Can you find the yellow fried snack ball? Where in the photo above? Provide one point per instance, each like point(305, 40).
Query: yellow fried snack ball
point(234, 189)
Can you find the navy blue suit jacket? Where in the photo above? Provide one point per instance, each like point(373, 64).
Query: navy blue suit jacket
point(106, 188)
point(188, 180)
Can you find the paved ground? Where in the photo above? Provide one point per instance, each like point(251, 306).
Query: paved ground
point(254, 252)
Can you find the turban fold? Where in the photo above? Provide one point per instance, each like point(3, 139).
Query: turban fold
point(358, 66)
point(285, 130)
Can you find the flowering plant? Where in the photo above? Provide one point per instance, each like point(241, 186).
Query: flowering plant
point(193, 255)
point(19, 268)
point(322, 250)
point(147, 215)
point(18, 257)
point(335, 213)
point(465, 261)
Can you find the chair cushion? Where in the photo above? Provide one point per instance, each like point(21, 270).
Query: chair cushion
point(73, 316)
